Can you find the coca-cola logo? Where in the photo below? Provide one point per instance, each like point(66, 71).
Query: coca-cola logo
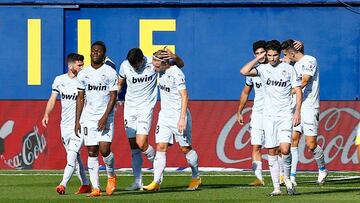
point(336, 138)
point(33, 144)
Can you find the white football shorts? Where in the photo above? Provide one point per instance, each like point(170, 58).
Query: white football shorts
point(70, 140)
point(137, 121)
point(309, 122)
point(277, 130)
point(166, 130)
point(257, 129)
point(92, 136)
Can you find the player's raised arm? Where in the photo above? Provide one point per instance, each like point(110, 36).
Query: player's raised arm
point(79, 107)
point(49, 107)
point(184, 103)
point(248, 69)
point(243, 99)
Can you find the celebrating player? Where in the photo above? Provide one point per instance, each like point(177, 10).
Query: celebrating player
point(174, 121)
point(66, 86)
point(99, 83)
point(278, 79)
point(141, 95)
point(257, 130)
point(308, 72)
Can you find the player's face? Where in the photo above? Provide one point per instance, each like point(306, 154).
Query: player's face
point(76, 67)
point(159, 65)
point(138, 65)
point(258, 52)
point(288, 56)
point(97, 54)
point(273, 57)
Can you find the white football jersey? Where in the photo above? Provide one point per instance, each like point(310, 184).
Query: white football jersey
point(170, 83)
point(308, 66)
point(97, 84)
point(259, 93)
point(66, 88)
point(278, 82)
point(141, 89)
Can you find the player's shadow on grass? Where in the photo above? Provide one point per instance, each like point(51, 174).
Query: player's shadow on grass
point(176, 189)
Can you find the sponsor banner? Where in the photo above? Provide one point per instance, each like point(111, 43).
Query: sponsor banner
point(217, 137)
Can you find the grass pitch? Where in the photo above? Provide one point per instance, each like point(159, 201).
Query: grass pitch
point(39, 186)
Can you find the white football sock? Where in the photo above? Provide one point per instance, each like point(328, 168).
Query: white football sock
point(109, 163)
point(93, 166)
point(150, 153)
point(192, 158)
point(136, 163)
point(294, 160)
point(319, 157)
point(159, 166)
point(281, 165)
point(257, 168)
point(80, 171)
point(287, 165)
point(69, 168)
point(274, 170)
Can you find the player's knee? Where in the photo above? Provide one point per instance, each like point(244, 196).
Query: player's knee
point(142, 146)
point(93, 153)
point(185, 150)
point(105, 152)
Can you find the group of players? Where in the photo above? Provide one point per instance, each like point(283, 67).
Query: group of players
point(286, 105)
point(88, 98)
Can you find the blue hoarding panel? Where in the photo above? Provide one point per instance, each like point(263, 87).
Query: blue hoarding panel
point(216, 42)
point(14, 54)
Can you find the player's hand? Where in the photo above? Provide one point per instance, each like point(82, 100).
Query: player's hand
point(181, 125)
point(102, 123)
point(240, 118)
point(298, 45)
point(45, 120)
point(261, 56)
point(167, 54)
point(77, 129)
point(296, 119)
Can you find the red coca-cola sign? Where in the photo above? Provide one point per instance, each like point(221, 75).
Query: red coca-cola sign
point(217, 137)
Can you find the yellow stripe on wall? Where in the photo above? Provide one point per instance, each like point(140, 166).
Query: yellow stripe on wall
point(34, 52)
point(147, 27)
point(84, 39)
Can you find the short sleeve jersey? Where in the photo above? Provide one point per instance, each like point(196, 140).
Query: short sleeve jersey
point(66, 88)
point(278, 82)
point(308, 66)
point(141, 89)
point(97, 84)
point(259, 93)
point(170, 83)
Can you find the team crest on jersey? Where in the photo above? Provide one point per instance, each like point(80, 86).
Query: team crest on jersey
point(284, 73)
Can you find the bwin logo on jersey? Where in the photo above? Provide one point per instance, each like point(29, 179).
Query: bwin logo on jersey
point(142, 79)
point(97, 87)
point(163, 87)
point(258, 85)
point(276, 83)
point(68, 96)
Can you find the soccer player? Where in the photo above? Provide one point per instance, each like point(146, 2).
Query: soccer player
point(308, 72)
point(278, 79)
point(141, 95)
point(174, 122)
point(257, 130)
point(95, 117)
point(65, 85)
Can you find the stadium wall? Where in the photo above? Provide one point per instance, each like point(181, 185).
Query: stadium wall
point(213, 37)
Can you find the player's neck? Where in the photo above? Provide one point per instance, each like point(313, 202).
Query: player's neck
point(299, 56)
point(71, 74)
point(96, 66)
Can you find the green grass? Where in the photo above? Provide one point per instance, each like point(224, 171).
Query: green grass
point(39, 186)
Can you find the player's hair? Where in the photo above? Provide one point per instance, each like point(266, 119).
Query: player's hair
point(259, 44)
point(99, 43)
point(72, 57)
point(159, 54)
point(273, 45)
point(135, 56)
point(288, 45)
